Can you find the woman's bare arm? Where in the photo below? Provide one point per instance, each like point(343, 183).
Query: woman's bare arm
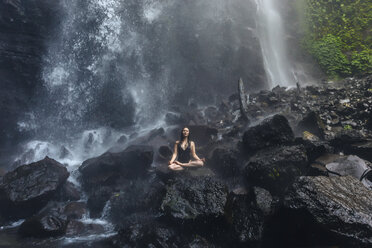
point(175, 152)
point(193, 151)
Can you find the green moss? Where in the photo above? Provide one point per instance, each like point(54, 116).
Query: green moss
point(347, 127)
point(274, 174)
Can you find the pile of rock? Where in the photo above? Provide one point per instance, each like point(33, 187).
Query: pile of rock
point(261, 187)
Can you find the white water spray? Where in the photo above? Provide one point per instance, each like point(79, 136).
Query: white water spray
point(271, 35)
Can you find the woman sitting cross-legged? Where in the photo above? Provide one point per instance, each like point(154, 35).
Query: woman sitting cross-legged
point(183, 150)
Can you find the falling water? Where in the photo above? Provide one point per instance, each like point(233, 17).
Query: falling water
point(271, 35)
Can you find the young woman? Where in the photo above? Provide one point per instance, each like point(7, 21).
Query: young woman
point(184, 149)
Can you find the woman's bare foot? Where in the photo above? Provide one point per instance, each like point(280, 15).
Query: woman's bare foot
point(175, 167)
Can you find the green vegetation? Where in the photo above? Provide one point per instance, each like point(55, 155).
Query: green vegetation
point(274, 174)
point(339, 35)
point(348, 127)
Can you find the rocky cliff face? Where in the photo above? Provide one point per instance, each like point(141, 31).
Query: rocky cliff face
point(25, 26)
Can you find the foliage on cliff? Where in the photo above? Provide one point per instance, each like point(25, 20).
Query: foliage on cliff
point(339, 35)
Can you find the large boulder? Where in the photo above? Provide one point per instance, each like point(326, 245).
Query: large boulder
point(271, 132)
point(314, 148)
point(198, 200)
point(362, 149)
point(341, 205)
point(225, 162)
point(141, 198)
point(275, 169)
point(154, 234)
point(75, 210)
point(68, 192)
point(147, 234)
point(108, 168)
point(344, 138)
point(50, 222)
point(164, 154)
point(165, 174)
point(246, 212)
point(311, 123)
point(28, 188)
point(97, 200)
point(353, 166)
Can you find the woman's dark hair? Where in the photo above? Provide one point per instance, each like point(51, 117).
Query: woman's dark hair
point(181, 137)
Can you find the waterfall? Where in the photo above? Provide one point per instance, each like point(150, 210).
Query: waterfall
point(271, 35)
point(114, 68)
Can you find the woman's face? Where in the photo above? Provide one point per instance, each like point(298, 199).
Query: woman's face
point(185, 132)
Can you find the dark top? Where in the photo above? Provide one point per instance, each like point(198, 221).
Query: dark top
point(183, 155)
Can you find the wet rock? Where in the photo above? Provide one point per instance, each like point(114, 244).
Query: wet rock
point(212, 114)
point(151, 138)
point(174, 119)
point(271, 132)
point(264, 201)
point(225, 162)
point(165, 153)
point(97, 200)
point(246, 211)
point(279, 90)
point(149, 234)
point(28, 188)
point(199, 172)
point(346, 137)
point(202, 135)
point(232, 132)
point(353, 166)
point(198, 200)
point(311, 123)
point(49, 223)
point(106, 169)
point(243, 101)
point(68, 192)
point(309, 136)
point(75, 210)
point(362, 149)
point(234, 97)
point(341, 205)
point(140, 197)
point(122, 140)
point(77, 228)
point(2, 172)
point(275, 169)
point(369, 123)
point(165, 174)
point(314, 149)
point(154, 133)
point(224, 106)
